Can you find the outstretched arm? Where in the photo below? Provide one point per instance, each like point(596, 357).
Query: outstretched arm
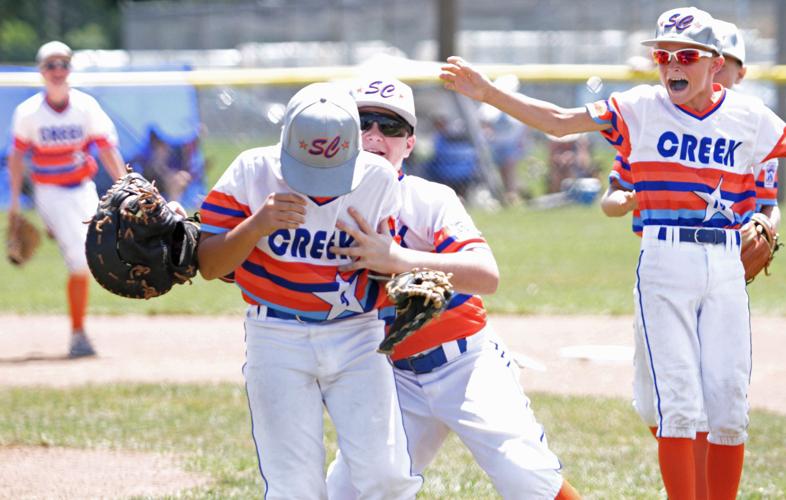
point(461, 77)
point(113, 162)
point(474, 271)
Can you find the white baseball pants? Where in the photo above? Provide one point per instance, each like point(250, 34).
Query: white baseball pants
point(693, 307)
point(65, 210)
point(477, 395)
point(295, 369)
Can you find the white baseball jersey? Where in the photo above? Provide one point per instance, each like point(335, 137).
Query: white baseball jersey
point(292, 271)
point(59, 139)
point(456, 375)
point(694, 175)
point(312, 334)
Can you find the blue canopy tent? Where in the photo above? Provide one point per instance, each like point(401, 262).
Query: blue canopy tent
point(170, 112)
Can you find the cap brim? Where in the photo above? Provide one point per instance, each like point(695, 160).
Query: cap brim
point(409, 117)
point(678, 39)
point(321, 181)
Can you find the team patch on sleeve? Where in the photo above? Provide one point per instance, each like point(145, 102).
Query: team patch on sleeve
point(222, 212)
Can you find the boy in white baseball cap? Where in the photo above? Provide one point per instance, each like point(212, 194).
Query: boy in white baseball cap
point(694, 180)
point(311, 329)
point(457, 349)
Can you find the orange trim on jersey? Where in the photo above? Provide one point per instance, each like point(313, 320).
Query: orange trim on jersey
point(621, 129)
point(226, 201)
point(22, 145)
point(779, 151)
point(443, 243)
point(88, 170)
point(462, 321)
point(295, 272)
point(716, 87)
point(675, 172)
point(101, 142)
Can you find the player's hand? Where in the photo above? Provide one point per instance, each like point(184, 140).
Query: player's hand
point(280, 211)
point(629, 201)
point(461, 77)
point(373, 250)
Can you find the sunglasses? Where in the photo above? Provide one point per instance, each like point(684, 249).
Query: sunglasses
point(53, 65)
point(683, 56)
point(389, 126)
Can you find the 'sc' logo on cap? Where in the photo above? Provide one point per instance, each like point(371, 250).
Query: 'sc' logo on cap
point(386, 91)
point(321, 147)
point(677, 23)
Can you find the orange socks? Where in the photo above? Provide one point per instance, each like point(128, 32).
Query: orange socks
point(700, 463)
point(78, 287)
point(677, 467)
point(567, 492)
point(724, 469)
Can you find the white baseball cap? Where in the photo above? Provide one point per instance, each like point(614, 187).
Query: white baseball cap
point(53, 49)
point(387, 93)
point(686, 25)
point(320, 142)
point(731, 40)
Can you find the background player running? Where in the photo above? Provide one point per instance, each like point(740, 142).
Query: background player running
point(58, 126)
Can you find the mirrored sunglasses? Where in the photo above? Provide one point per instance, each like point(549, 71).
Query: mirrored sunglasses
point(683, 56)
point(389, 126)
point(59, 64)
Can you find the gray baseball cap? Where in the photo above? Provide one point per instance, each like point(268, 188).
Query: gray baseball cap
point(320, 142)
point(686, 25)
point(732, 43)
point(390, 94)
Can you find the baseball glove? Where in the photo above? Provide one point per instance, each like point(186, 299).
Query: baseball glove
point(419, 295)
point(137, 246)
point(759, 244)
point(22, 239)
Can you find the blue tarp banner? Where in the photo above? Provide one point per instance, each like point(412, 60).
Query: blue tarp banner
point(168, 112)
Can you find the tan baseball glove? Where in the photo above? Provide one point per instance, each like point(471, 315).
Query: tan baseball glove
point(759, 244)
point(22, 239)
point(420, 295)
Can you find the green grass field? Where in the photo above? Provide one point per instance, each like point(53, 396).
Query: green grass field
point(605, 450)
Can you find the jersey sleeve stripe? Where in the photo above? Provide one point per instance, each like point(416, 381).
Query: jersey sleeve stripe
point(779, 151)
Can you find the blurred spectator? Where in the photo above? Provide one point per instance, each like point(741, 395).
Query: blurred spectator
point(169, 167)
point(570, 157)
point(454, 162)
point(507, 139)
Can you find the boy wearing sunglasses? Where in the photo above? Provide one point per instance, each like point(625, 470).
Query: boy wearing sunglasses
point(620, 199)
point(695, 150)
point(454, 374)
point(57, 126)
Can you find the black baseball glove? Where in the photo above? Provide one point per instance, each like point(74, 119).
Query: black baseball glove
point(420, 295)
point(137, 246)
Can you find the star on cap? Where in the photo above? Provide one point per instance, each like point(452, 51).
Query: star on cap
point(303, 145)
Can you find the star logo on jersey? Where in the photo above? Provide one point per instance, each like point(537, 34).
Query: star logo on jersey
point(342, 299)
point(715, 203)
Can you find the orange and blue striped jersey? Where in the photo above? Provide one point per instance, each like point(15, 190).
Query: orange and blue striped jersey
point(59, 140)
point(691, 168)
point(432, 219)
point(292, 271)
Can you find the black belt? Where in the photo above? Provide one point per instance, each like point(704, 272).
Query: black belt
point(704, 235)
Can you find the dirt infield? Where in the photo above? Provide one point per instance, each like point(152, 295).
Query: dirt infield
point(566, 355)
